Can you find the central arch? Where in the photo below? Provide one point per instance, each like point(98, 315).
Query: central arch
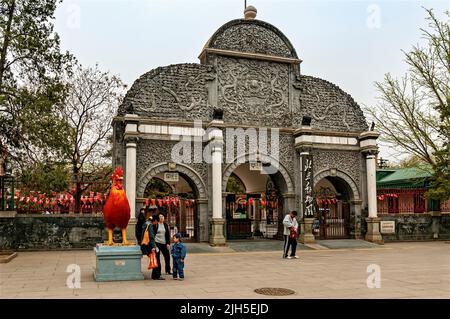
point(258, 212)
point(289, 186)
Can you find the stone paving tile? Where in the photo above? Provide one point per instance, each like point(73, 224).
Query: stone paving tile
point(417, 272)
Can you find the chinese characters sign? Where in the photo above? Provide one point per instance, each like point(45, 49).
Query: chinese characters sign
point(307, 183)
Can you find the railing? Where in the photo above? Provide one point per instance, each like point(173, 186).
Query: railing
point(91, 201)
point(445, 206)
point(407, 201)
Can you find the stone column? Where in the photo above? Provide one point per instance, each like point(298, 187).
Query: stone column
point(217, 221)
point(130, 180)
point(131, 138)
point(369, 148)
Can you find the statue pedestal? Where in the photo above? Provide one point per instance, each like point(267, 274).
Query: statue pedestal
point(114, 263)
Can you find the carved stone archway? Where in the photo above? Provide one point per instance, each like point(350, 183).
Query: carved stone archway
point(264, 158)
point(180, 168)
point(354, 222)
point(342, 175)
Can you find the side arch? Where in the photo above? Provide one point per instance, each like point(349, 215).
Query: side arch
point(181, 168)
point(342, 175)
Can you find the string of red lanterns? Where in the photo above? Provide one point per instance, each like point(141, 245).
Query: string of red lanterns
point(383, 196)
point(168, 201)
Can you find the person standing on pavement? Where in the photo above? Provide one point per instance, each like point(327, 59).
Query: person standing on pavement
point(178, 256)
point(290, 235)
point(156, 272)
point(162, 239)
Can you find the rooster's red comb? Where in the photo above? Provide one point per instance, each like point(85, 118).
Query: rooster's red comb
point(117, 173)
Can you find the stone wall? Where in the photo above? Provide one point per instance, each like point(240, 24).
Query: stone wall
point(48, 232)
point(416, 227)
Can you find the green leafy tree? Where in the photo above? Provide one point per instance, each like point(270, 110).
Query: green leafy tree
point(31, 88)
point(413, 114)
point(44, 178)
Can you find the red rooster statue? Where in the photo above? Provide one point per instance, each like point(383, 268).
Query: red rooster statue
point(116, 212)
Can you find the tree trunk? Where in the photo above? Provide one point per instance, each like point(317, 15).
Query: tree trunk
point(7, 37)
point(77, 195)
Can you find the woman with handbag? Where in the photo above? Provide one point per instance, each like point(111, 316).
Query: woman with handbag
point(290, 235)
point(148, 245)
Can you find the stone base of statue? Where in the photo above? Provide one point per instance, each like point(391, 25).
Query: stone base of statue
point(116, 263)
point(373, 230)
point(217, 236)
point(306, 235)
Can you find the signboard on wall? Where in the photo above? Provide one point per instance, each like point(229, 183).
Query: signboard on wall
point(307, 185)
point(171, 177)
point(387, 227)
point(255, 166)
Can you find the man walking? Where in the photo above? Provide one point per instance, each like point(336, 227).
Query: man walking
point(290, 234)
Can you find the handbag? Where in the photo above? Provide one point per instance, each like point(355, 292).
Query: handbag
point(153, 262)
point(293, 233)
point(146, 239)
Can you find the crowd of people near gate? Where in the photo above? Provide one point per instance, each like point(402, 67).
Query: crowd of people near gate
point(153, 236)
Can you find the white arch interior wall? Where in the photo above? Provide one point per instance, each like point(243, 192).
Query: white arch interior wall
point(182, 186)
point(254, 181)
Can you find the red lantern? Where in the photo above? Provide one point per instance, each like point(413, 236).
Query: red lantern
point(160, 202)
point(153, 202)
point(146, 202)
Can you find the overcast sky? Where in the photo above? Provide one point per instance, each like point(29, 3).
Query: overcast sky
point(350, 43)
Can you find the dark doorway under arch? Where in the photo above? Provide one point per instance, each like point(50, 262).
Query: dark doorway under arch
point(333, 200)
point(177, 201)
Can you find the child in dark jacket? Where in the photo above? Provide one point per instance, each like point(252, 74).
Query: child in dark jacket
point(178, 255)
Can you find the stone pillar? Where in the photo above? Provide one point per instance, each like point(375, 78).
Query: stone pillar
point(130, 180)
point(131, 138)
point(217, 221)
point(369, 148)
point(371, 167)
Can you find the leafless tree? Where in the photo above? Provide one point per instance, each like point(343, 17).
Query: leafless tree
point(93, 97)
point(412, 113)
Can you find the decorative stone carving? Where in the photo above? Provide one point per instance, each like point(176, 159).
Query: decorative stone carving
point(175, 91)
point(153, 152)
point(253, 92)
point(252, 37)
point(347, 162)
point(330, 108)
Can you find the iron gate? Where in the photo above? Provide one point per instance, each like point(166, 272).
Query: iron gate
point(334, 220)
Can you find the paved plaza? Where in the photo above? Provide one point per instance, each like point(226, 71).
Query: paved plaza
point(408, 270)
